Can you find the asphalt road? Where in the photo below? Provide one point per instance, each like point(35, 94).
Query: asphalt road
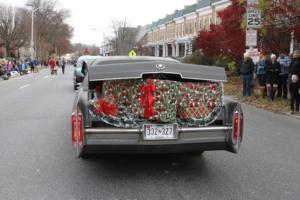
point(37, 161)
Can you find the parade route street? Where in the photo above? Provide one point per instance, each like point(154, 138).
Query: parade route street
point(37, 160)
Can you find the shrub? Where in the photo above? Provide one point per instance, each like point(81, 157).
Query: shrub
point(202, 59)
point(232, 69)
point(198, 58)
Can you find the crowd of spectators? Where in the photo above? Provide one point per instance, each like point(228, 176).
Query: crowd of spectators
point(12, 68)
point(277, 77)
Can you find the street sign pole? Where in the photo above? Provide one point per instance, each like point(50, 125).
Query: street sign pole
point(253, 23)
point(292, 42)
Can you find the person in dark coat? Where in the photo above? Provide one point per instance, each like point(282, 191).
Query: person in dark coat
point(63, 65)
point(284, 62)
point(31, 67)
point(84, 68)
point(295, 83)
point(246, 71)
point(273, 71)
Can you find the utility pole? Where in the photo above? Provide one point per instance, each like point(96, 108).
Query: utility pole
point(32, 28)
point(292, 42)
point(253, 23)
point(31, 40)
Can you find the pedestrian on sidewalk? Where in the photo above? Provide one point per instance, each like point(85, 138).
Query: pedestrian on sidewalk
point(10, 66)
point(31, 67)
point(284, 62)
point(295, 83)
point(35, 64)
point(5, 72)
point(246, 71)
point(53, 66)
point(260, 72)
point(273, 71)
point(23, 68)
point(2, 70)
point(63, 65)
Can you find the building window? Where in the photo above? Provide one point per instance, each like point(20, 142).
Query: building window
point(167, 33)
point(200, 25)
point(186, 28)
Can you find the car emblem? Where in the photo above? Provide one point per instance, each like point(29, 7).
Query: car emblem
point(160, 66)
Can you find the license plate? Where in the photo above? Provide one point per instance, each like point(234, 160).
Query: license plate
point(160, 132)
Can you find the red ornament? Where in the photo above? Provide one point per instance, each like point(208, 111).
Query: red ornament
point(147, 99)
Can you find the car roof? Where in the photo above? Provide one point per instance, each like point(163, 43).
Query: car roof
point(87, 59)
point(127, 59)
point(124, 67)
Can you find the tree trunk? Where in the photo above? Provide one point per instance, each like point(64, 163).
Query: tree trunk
point(7, 49)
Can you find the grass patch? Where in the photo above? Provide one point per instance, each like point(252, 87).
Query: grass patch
point(233, 88)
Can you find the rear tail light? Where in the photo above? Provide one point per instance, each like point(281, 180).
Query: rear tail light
point(241, 126)
point(238, 122)
point(236, 125)
point(80, 136)
point(74, 138)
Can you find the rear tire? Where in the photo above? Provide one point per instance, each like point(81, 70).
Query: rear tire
point(83, 155)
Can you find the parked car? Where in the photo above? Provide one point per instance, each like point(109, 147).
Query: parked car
point(78, 74)
point(154, 105)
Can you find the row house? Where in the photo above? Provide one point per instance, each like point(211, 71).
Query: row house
point(173, 35)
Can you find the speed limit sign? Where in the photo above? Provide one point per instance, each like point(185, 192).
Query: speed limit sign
point(253, 18)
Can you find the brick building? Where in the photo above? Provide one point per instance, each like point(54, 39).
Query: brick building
point(172, 35)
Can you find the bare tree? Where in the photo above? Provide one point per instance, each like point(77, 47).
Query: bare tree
point(86, 49)
point(52, 34)
point(12, 28)
point(124, 37)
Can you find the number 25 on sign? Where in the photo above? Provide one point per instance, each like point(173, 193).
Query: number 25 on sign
point(253, 18)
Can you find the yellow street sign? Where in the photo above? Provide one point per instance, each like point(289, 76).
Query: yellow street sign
point(132, 53)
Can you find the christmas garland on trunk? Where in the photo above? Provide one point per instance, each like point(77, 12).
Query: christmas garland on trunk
point(131, 103)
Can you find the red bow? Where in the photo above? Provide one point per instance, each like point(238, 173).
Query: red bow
point(106, 108)
point(147, 100)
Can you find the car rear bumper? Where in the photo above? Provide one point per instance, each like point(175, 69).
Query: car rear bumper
point(112, 140)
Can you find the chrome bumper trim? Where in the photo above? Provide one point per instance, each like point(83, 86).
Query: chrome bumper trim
point(180, 130)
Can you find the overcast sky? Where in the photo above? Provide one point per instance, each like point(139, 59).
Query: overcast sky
point(92, 19)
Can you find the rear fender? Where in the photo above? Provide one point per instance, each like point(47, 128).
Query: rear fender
point(82, 106)
point(234, 110)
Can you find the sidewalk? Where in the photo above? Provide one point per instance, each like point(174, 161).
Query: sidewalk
point(233, 90)
point(40, 68)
